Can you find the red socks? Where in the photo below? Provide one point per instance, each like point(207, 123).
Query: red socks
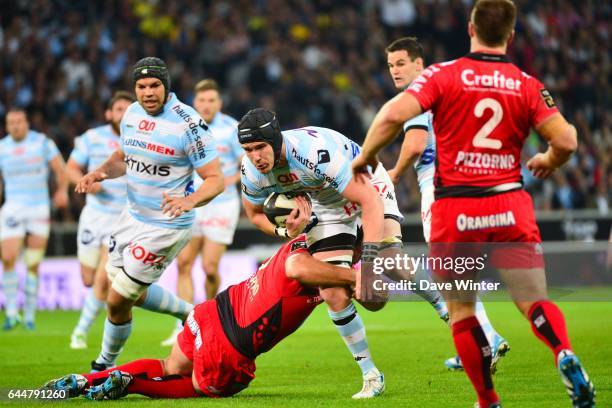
point(548, 324)
point(172, 386)
point(145, 367)
point(475, 353)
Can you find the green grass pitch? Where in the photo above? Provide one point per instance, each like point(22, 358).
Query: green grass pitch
point(313, 368)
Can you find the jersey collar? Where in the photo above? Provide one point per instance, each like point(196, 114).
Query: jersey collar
point(482, 56)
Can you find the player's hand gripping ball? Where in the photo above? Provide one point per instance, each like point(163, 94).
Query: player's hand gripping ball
point(278, 206)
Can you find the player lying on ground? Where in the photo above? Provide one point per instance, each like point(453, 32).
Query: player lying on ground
point(215, 353)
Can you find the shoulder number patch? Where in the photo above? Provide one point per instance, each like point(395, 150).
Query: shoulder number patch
point(548, 99)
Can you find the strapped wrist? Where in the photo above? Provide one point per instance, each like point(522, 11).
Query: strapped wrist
point(281, 232)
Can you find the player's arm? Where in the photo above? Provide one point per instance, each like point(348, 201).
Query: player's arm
point(257, 217)
point(415, 141)
point(562, 142)
point(74, 171)
point(307, 270)
point(213, 186)
point(60, 197)
point(112, 167)
point(385, 127)
point(213, 183)
point(372, 210)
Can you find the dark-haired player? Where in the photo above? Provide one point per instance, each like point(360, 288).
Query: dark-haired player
point(102, 208)
point(405, 62)
point(483, 108)
point(215, 353)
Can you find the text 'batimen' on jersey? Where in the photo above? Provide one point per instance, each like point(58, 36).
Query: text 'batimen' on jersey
point(161, 153)
point(90, 151)
point(425, 165)
point(318, 162)
point(224, 129)
point(483, 108)
point(261, 311)
point(25, 168)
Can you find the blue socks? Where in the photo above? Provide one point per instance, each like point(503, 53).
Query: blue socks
point(353, 333)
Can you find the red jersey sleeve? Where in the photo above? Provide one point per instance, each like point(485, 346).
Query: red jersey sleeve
point(426, 88)
point(539, 101)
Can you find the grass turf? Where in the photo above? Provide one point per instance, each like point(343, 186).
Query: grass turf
point(313, 368)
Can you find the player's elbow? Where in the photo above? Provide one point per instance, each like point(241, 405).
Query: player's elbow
point(294, 269)
point(567, 142)
point(390, 114)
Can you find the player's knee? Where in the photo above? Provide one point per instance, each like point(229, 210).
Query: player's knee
point(87, 276)
point(33, 256)
point(123, 285)
point(336, 298)
point(211, 268)
point(184, 265)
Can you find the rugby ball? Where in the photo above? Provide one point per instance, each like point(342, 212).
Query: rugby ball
point(278, 206)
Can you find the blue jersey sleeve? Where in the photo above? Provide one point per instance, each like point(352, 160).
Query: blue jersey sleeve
point(419, 122)
point(80, 152)
point(51, 149)
point(250, 189)
point(237, 150)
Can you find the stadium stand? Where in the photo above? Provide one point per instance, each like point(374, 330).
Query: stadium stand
point(314, 62)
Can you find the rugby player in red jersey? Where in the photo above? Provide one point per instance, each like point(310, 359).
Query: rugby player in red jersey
point(215, 353)
point(483, 108)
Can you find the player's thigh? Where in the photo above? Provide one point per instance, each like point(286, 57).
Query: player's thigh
point(177, 362)
point(212, 252)
point(392, 230)
point(525, 286)
point(11, 248)
point(36, 241)
point(187, 256)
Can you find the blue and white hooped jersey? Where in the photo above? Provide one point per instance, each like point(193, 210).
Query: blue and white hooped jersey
point(161, 153)
point(224, 129)
point(318, 162)
point(425, 165)
point(25, 168)
point(90, 151)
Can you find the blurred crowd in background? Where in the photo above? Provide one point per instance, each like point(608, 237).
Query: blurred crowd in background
point(314, 62)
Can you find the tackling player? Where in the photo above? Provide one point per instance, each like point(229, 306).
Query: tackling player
point(25, 159)
point(215, 223)
point(478, 176)
point(216, 351)
point(405, 62)
point(162, 142)
point(317, 161)
point(102, 208)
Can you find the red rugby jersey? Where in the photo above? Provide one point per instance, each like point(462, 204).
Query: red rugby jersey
point(483, 108)
point(262, 310)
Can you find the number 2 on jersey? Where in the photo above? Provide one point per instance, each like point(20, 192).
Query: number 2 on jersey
point(480, 139)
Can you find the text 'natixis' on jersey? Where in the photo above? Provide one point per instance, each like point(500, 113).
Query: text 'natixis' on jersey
point(146, 168)
point(313, 166)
